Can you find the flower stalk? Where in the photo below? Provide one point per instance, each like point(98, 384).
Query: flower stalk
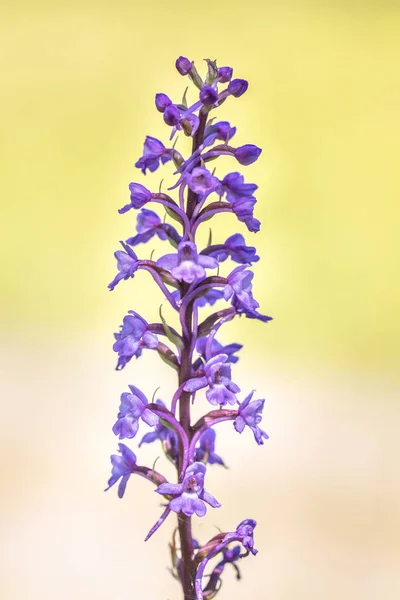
point(202, 363)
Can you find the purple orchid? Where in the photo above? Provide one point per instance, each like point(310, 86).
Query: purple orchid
point(189, 496)
point(235, 248)
point(191, 348)
point(205, 451)
point(148, 225)
point(127, 265)
point(235, 188)
point(245, 533)
point(240, 287)
point(243, 209)
point(201, 181)
point(122, 468)
point(133, 336)
point(139, 197)
point(186, 265)
point(217, 348)
point(132, 408)
point(217, 377)
point(249, 414)
point(218, 131)
point(154, 152)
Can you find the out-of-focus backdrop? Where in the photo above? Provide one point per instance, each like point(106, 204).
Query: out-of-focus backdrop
point(78, 82)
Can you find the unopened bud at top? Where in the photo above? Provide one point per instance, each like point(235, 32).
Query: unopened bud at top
point(225, 74)
point(237, 87)
point(247, 154)
point(183, 65)
point(162, 102)
point(208, 95)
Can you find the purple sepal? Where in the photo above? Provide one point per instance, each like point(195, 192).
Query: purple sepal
point(127, 265)
point(235, 188)
point(189, 496)
point(217, 348)
point(234, 247)
point(148, 225)
point(122, 468)
point(205, 452)
point(218, 131)
point(249, 414)
point(211, 297)
point(139, 197)
point(245, 533)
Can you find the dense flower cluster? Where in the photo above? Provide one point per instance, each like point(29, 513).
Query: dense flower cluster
point(189, 277)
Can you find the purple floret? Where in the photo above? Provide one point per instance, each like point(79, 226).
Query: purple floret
point(148, 225)
point(186, 265)
point(133, 336)
point(249, 414)
point(132, 408)
point(208, 95)
point(239, 287)
point(205, 451)
point(234, 247)
point(189, 496)
point(139, 197)
point(217, 377)
point(122, 468)
point(235, 188)
point(237, 87)
point(201, 181)
point(248, 154)
point(217, 348)
point(127, 265)
point(154, 152)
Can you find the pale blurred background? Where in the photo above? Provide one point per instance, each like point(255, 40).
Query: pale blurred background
point(78, 82)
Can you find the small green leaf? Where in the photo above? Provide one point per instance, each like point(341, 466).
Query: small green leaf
point(184, 100)
point(175, 339)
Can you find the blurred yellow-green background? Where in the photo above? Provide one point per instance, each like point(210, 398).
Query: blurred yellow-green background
point(78, 82)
